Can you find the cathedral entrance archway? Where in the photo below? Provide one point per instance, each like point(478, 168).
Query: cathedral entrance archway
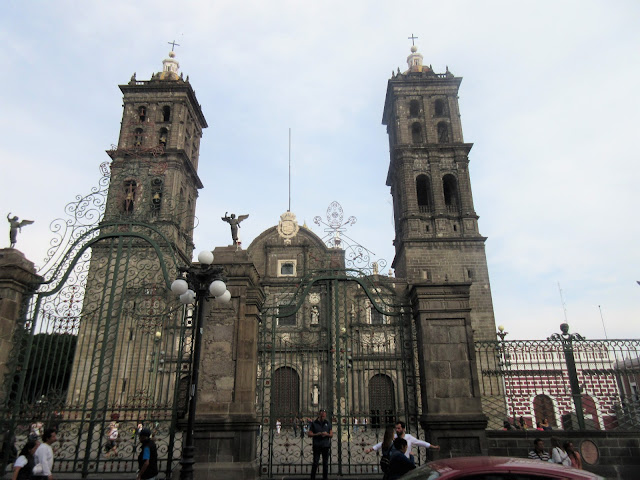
point(345, 345)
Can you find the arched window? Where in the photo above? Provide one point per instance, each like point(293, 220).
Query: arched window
point(423, 190)
point(130, 187)
point(164, 134)
point(414, 108)
point(377, 318)
point(142, 113)
point(543, 409)
point(590, 412)
point(382, 405)
point(285, 395)
point(166, 113)
point(290, 315)
point(450, 187)
point(137, 137)
point(443, 132)
point(439, 108)
point(156, 194)
point(416, 133)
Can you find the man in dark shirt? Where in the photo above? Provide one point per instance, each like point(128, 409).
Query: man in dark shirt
point(148, 458)
point(399, 464)
point(321, 433)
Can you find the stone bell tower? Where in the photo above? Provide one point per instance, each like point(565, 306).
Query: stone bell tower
point(154, 167)
point(439, 250)
point(147, 228)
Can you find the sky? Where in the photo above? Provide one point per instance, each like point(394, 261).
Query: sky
point(548, 99)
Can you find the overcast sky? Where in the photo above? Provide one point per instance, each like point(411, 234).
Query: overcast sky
point(549, 99)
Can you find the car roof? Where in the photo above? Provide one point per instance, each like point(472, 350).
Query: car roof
point(504, 464)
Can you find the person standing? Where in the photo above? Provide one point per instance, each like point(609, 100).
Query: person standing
point(24, 466)
point(400, 463)
point(148, 458)
point(574, 456)
point(44, 454)
point(321, 433)
point(387, 449)
point(538, 452)
point(401, 432)
point(558, 455)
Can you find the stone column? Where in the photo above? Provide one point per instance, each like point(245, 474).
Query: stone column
point(464, 184)
point(18, 281)
point(226, 428)
point(452, 410)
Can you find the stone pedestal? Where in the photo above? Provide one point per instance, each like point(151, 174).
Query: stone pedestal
point(18, 281)
point(452, 417)
point(226, 425)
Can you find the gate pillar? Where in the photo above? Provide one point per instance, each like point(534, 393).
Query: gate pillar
point(452, 410)
point(18, 281)
point(226, 429)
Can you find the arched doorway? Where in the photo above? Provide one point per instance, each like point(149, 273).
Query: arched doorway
point(381, 400)
point(286, 396)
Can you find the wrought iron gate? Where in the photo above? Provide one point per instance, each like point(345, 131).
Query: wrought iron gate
point(342, 341)
point(101, 350)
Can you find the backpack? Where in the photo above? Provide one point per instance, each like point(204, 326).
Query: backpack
point(385, 460)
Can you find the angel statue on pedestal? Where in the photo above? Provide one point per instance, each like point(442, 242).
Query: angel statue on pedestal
point(234, 223)
point(16, 225)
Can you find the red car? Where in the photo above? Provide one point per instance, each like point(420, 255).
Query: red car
point(496, 468)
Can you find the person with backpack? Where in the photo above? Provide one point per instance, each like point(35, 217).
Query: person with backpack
point(386, 449)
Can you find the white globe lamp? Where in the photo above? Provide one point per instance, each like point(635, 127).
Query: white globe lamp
point(188, 297)
point(205, 257)
point(217, 288)
point(225, 297)
point(179, 286)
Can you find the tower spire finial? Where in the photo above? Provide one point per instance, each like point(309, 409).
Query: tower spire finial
point(413, 39)
point(173, 45)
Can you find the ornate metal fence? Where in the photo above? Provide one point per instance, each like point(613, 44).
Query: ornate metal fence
point(102, 348)
point(334, 341)
point(565, 382)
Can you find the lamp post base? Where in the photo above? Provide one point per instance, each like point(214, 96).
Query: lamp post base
point(225, 448)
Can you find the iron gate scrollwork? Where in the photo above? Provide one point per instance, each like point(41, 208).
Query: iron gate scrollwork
point(535, 383)
point(102, 347)
point(346, 345)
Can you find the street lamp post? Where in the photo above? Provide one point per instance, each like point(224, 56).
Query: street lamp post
point(567, 346)
point(504, 362)
point(196, 284)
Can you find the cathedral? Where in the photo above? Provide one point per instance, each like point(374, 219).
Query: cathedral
point(306, 327)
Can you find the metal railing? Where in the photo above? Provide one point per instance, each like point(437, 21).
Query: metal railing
point(564, 382)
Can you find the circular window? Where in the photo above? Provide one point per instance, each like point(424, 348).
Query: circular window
point(589, 452)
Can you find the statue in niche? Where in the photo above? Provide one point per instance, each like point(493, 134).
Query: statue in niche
point(15, 225)
point(315, 315)
point(314, 395)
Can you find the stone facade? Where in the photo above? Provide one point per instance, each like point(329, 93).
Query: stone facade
point(300, 331)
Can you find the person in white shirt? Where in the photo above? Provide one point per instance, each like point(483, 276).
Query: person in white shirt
point(401, 432)
point(44, 454)
point(558, 455)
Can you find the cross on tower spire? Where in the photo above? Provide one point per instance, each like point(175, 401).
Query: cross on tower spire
point(412, 38)
point(174, 44)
